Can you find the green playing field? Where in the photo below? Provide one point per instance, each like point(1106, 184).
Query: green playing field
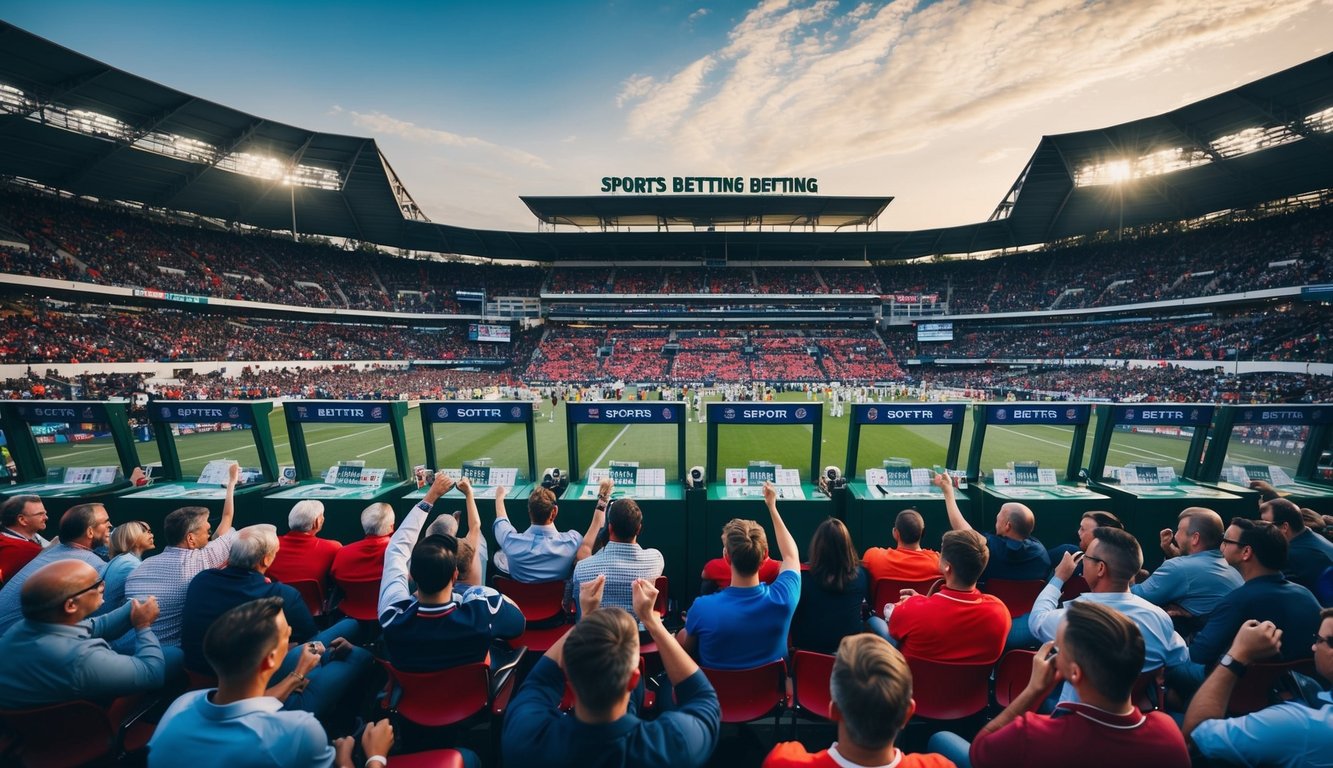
point(653, 445)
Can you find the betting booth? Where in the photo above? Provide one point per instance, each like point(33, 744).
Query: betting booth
point(196, 442)
point(654, 476)
point(345, 477)
point(1141, 457)
point(1279, 444)
point(1030, 453)
point(886, 484)
point(774, 442)
point(491, 443)
point(68, 451)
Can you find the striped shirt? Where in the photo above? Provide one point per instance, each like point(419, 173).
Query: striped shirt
point(166, 576)
point(621, 563)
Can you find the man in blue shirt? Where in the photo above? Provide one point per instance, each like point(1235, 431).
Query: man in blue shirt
point(1194, 576)
point(541, 553)
point(745, 625)
point(1308, 554)
point(1293, 733)
point(600, 658)
point(1014, 552)
point(83, 528)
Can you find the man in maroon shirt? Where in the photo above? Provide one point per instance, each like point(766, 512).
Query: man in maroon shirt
point(301, 553)
point(1100, 652)
point(22, 518)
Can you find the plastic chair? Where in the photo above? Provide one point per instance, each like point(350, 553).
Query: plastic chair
point(1018, 595)
point(749, 694)
point(889, 590)
point(75, 733)
point(1251, 691)
point(1012, 674)
point(435, 758)
point(312, 592)
point(360, 599)
point(543, 607)
point(810, 685)
point(1076, 586)
point(450, 696)
point(948, 691)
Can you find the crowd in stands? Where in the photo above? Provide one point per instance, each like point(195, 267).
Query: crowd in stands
point(1164, 383)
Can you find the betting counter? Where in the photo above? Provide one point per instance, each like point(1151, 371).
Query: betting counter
point(877, 494)
point(1057, 502)
point(91, 441)
point(655, 478)
point(1162, 443)
point(1278, 444)
point(196, 442)
point(349, 486)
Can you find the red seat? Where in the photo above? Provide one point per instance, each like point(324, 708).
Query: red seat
point(947, 691)
point(436, 758)
point(1018, 595)
point(360, 599)
point(1251, 691)
point(749, 694)
point(543, 606)
point(1076, 586)
point(450, 696)
point(811, 674)
point(1012, 674)
point(312, 592)
point(75, 733)
point(890, 590)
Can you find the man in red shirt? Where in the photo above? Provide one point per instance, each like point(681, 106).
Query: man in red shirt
point(21, 520)
point(364, 560)
point(958, 624)
point(1100, 653)
point(301, 553)
point(871, 690)
point(907, 561)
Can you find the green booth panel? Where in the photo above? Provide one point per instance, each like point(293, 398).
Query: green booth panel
point(1057, 508)
point(1147, 509)
point(1315, 496)
point(665, 526)
point(154, 503)
point(802, 515)
point(871, 513)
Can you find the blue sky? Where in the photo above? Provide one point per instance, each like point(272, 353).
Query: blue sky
point(937, 103)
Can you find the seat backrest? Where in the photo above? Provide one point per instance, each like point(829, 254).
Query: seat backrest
point(749, 694)
point(1150, 690)
point(538, 602)
point(890, 590)
point(61, 735)
point(312, 592)
point(947, 691)
point(360, 599)
point(435, 758)
point(442, 697)
point(1012, 674)
point(1251, 691)
point(812, 673)
point(1018, 595)
point(1076, 586)
point(663, 590)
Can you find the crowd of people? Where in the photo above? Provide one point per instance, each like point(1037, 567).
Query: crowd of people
point(229, 662)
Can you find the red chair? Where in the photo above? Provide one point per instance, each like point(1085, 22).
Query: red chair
point(749, 694)
point(1018, 595)
point(1076, 586)
point(890, 590)
point(1251, 691)
point(810, 685)
point(947, 691)
point(450, 696)
point(312, 592)
point(360, 599)
point(435, 758)
point(1012, 674)
point(543, 606)
point(75, 733)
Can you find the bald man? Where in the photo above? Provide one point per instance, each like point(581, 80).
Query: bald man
point(1194, 576)
point(1014, 553)
point(56, 654)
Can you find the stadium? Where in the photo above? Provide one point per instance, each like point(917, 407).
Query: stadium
point(1144, 315)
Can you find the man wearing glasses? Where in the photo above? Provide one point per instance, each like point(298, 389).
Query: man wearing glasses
point(22, 518)
point(67, 657)
point(1293, 733)
point(83, 528)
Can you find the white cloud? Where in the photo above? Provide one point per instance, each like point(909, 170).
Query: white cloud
point(699, 14)
point(380, 124)
point(879, 82)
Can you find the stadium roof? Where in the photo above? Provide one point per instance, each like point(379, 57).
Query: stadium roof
point(610, 211)
point(73, 123)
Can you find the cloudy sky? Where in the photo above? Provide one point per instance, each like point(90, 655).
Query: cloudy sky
point(938, 103)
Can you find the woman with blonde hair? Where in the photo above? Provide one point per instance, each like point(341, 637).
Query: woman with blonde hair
point(128, 543)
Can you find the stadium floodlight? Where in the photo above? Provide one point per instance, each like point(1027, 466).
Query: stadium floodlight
point(1118, 171)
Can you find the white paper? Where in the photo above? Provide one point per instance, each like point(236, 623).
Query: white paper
point(1002, 476)
point(216, 472)
point(921, 476)
point(90, 475)
point(788, 477)
point(876, 476)
point(1279, 475)
point(1046, 477)
point(737, 476)
point(1166, 474)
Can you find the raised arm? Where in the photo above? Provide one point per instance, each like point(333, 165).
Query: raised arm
point(956, 520)
point(393, 584)
point(473, 522)
point(229, 502)
point(675, 660)
point(500, 494)
point(791, 556)
point(598, 519)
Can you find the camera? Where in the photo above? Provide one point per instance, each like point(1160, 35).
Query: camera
point(554, 480)
point(695, 478)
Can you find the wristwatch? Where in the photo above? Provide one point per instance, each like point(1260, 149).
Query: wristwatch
point(1229, 662)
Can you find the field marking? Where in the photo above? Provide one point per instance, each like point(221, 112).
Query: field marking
point(235, 449)
point(375, 450)
point(1145, 455)
point(609, 446)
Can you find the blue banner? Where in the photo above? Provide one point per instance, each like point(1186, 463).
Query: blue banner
point(40, 411)
point(476, 411)
point(199, 412)
point(765, 413)
point(633, 412)
point(338, 411)
point(1283, 414)
point(1182, 415)
point(896, 413)
point(1022, 414)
